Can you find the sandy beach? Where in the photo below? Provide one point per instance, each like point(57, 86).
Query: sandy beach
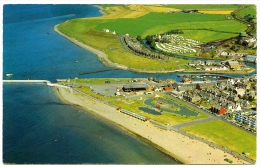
point(180, 147)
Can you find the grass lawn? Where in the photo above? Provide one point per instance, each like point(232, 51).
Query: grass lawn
point(225, 135)
point(133, 104)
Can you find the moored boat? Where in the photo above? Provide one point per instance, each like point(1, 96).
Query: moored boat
point(8, 75)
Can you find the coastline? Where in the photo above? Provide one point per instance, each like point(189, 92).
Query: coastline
point(182, 148)
point(104, 58)
point(100, 9)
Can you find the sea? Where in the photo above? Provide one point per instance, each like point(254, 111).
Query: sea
point(37, 127)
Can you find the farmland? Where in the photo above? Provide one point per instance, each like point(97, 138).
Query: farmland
point(145, 20)
point(205, 7)
point(192, 30)
point(139, 25)
point(249, 10)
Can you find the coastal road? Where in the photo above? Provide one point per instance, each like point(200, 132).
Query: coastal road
point(193, 122)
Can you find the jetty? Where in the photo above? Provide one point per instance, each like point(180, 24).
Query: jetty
point(48, 83)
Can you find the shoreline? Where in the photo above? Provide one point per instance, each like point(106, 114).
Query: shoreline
point(100, 9)
point(177, 146)
point(104, 58)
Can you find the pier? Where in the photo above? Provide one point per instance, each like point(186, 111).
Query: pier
point(48, 83)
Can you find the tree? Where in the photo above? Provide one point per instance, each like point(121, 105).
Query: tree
point(149, 39)
point(153, 45)
point(139, 38)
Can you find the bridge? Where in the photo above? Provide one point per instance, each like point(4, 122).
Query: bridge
point(48, 83)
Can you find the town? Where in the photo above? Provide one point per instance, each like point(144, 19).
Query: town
point(232, 99)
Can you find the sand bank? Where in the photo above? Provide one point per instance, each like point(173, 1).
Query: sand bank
point(182, 148)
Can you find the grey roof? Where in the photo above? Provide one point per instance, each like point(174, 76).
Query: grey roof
point(135, 86)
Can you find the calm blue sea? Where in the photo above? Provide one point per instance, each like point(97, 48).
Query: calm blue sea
point(37, 128)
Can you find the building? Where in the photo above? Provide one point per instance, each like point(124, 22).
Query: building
point(135, 87)
point(218, 110)
point(233, 64)
point(250, 58)
point(247, 119)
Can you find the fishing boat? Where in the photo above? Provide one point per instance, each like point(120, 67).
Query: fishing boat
point(8, 75)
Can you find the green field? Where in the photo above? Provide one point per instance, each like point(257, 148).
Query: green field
point(201, 35)
point(205, 7)
point(225, 135)
point(90, 32)
point(136, 26)
point(248, 10)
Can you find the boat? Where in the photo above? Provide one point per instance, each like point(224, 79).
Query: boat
point(8, 75)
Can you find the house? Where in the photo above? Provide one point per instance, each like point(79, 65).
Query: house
point(250, 58)
point(237, 107)
point(233, 64)
point(222, 68)
point(191, 98)
point(218, 110)
point(240, 91)
point(167, 88)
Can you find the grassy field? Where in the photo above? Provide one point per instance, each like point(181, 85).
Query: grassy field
point(206, 6)
point(142, 20)
point(111, 45)
point(137, 26)
point(225, 135)
point(248, 10)
point(201, 35)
